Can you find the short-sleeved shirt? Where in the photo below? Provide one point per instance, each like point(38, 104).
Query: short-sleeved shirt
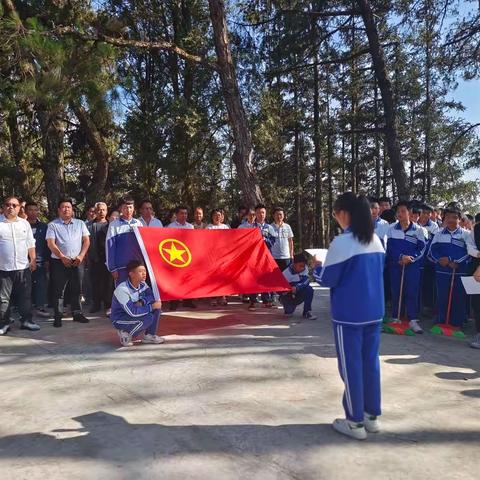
point(15, 240)
point(282, 233)
point(68, 236)
point(154, 222)
point(222, 226)
point(245, 224)
point(186, 225)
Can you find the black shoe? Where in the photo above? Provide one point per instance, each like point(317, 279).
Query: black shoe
point(57, 322)
point(78, 317)
point(189, 304)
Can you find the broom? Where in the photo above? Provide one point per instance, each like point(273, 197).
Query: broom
point(445, 328)
point(399, 328)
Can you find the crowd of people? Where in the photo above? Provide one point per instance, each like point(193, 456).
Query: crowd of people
point(428, 251)
point(69, 262)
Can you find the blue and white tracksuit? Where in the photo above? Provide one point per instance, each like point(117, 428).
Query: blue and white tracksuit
point(122, 246)
point(132, 309)
point(427, 270)
point(454, 246)
point(303, 291)
point(354, 273)
point(410, 242)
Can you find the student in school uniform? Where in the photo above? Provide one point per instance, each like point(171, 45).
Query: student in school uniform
point(353, 270)
point(406, 244)
point(427, 268)
point(297, 276)
point(134, 308)
point(449, 253)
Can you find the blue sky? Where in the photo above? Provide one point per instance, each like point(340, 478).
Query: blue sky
point(469, 94)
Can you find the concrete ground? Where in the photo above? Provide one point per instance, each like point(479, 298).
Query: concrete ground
point(231, 395)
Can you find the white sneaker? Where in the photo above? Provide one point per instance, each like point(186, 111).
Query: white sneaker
point(395, 321)
point(108, 312)
point(371, 423)
point(350, 429)
point(29, 325)
point(149, 338)
point(4, 330)
point(309, 316)
point(476, 341)
point(125, 338)
point(415, 326)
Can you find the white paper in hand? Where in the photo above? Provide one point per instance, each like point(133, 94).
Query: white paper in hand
point(472, 287)
point(319, 253)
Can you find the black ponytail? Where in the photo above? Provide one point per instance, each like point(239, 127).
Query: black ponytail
point(358, 207)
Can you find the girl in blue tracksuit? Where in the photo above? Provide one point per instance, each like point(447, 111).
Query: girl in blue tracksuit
point(353, 270)
point(449, 253)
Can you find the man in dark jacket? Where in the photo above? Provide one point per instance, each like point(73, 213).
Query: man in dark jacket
point(40, 275)
point(100, 278)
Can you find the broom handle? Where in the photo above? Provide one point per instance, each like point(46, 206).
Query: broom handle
point(450, 297)
point(401, 293)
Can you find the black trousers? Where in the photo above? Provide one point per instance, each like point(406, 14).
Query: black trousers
point(20, 282)
point(283, 263)
point(475, 299)
point(60, 277)
point(102, 284)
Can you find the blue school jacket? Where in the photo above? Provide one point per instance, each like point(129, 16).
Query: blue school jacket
point(354, 273)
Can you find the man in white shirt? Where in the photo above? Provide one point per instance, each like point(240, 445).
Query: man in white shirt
point(148, 218)
point(282, 249)
point(17, 261)
point(181, 215)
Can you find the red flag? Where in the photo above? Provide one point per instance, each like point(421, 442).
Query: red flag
point(208, 263)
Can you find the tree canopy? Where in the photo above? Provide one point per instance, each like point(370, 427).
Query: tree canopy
point(212, 102)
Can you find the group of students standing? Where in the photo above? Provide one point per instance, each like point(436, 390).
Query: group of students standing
point(426, 257)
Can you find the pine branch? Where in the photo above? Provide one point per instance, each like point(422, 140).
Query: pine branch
point(128, 43)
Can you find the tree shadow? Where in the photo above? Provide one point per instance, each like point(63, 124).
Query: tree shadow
point(112, 438)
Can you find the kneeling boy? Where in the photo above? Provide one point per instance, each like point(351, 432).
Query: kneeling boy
point(297, 276)
point(134, 308)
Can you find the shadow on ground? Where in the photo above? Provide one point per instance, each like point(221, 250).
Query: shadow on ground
point(100, 432)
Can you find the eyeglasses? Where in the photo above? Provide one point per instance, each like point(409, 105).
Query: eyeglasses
point(13, 205)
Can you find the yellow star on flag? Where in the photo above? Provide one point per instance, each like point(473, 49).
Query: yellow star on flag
point(175, 254)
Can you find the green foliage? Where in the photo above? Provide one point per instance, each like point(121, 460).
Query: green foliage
point(164, 124)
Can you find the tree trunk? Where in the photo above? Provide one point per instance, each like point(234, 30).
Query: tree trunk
point(427, 191)
point(376, 51)
point(319, 221)
point(52, 162)
point(243, 153)
point(378, 172)
point(330, 144)
point(17, 153)
point(100, 154)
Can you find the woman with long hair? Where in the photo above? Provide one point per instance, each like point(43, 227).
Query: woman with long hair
point(353, 270)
